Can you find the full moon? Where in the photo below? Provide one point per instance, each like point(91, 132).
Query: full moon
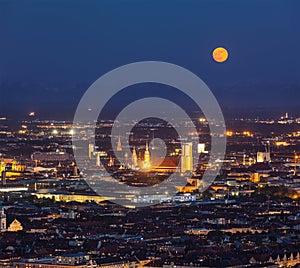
point(220, 54)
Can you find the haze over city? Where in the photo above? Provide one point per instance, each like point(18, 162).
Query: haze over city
point(51, 52)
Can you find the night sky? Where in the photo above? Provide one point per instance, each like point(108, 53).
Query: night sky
point(52, 50)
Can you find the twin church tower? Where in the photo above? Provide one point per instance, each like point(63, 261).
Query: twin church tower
point(145, 164)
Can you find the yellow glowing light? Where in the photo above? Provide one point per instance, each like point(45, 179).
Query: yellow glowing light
point(220, 54)
point(247, 133)
point(146, 165)
point(229, 133)
point(282, 143)
point(55, 132)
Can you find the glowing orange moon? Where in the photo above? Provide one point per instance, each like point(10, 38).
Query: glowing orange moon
point(220, 54)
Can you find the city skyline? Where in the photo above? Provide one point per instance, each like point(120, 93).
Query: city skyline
point(148, 133)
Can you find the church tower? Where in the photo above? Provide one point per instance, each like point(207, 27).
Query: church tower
point(111, 162)
point(147, 157)
point(134, 158)
point(119, 146)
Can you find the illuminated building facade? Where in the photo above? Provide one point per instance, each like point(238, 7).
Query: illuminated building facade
point(90, 150)
point(119, 145)
point(98, 160)
point(50, 156)
point(201, 148)
point(73, 197)
point(15, 226)
point(147, 163)
point(187, 157)
point(17, 167)
point(263, 157)
point(2, 167)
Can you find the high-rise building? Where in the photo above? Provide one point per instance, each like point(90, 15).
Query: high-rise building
point(98, 160)
point(187, 157)
point(90, 150)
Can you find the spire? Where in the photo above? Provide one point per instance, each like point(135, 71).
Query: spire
point(119, 146)
point(111, 162)
point(134, 157)
point(147, 147)
point(147, 156)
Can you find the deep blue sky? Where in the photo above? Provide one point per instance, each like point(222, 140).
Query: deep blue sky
point(52, 50)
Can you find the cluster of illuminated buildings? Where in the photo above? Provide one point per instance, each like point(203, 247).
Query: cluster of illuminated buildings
point(238, 220)
point(146, 162)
